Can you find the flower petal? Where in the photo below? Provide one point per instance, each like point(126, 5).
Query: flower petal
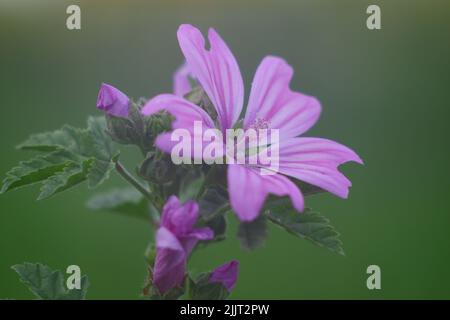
point(185, 112)
point(273, 103)
point(216, 70)
point(166, 143)
point(196, 235)
point(316, 161)
point(202, 233)
point(181, 83)
point(113, 101)
point(170, 263)
point(165, 239)
point(248, 190)
point(226, 274)
point(179, 218)
point(184, 217)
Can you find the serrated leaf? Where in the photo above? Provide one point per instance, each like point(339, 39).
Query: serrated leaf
point(191, 185)
point(104, 148)
point(202, 289)
point(210, 291)
point(71, 176)
point(213, 200)
point(219, 226)
point(99, 172)
point(125, 201)
point(48, 141)
point(79, 141)
point(173, 294)
point(213, 206)
point(253, 234)
point(48, 284)
point(76, 155)
point(308, 225)
point(90, 142)
point(37, 169)
point(78, 294)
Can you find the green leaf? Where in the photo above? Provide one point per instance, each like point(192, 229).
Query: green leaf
point(158, 168)
point(99, 172)
point(48, 284)
point(78, 294)
point(125, 201)
point(213, 201)
point(202, 289)
point(99, 146)
point(37, 169)
point(253, 234)
point(173, 294)
point(213, 206)
point(49, 141)
point(71, 176)
point(73, 156)
point(90, 142)
point(191, 185)
point(219, 226)
point(308, 225)
point(104, 148)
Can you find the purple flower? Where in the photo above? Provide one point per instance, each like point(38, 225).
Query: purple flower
point(175, 239)
point(271, 105)
point(112, 101)
point(226, 274)
point(181, 82)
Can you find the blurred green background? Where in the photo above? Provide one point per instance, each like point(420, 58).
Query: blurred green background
point(384, 93)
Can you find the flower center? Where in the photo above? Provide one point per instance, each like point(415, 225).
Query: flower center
point(260, 123)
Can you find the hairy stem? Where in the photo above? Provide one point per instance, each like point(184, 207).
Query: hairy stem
point(141, 188)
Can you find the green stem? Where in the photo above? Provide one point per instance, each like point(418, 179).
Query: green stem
point(141, 188)
point(132, 180)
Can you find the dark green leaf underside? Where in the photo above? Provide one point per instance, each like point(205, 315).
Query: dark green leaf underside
point(68, 157)
point(253, 234)
point(125, 201)
point(48, 284)
point(308, 225)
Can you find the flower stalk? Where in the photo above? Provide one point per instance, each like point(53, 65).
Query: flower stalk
point(124, 173)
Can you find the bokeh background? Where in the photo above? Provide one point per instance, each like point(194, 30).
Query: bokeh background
point(384, 93)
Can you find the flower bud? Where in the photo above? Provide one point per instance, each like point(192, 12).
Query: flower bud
point(158, 168)
point(126, 130)
point(112, 101)
point(176, 237)
point(226, 274)
point(157, 123)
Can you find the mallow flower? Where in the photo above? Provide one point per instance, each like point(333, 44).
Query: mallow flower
point(113, 101)
point(182, 80)
point(175, 239)
point(271, 105)
point(226, 274)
